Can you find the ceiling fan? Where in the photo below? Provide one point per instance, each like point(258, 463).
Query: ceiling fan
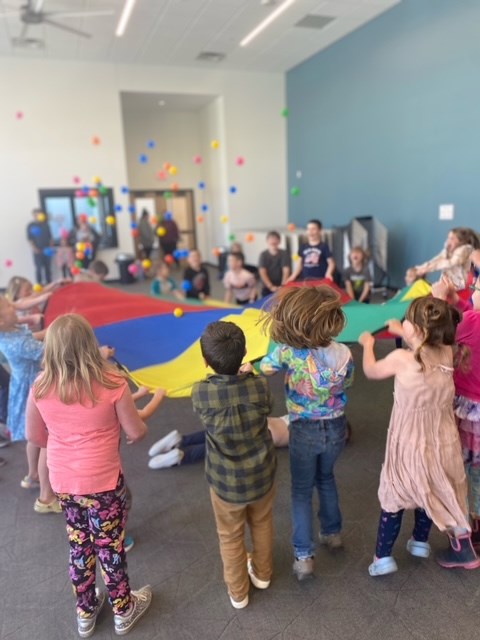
point(32, 14)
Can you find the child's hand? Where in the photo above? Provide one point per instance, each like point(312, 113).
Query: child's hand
point(141, 391)
point(159, 394)
point(107, 352)
point(366, 339)
point(247, 367)
point(395, 327)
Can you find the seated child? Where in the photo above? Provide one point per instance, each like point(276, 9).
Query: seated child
point(358, 280)
point(233, 405)
point(197, 276)
point(164, 284)
point(97, 272)
point(238, 282)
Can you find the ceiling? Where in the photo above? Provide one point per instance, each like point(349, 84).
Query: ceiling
point(175, 32)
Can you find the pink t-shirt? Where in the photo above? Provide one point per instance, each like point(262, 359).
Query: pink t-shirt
point(467, 383)
point(242, 283)
point(83, 441)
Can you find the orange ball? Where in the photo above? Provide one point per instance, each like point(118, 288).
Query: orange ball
point(291, 227)
point(200, 219)
point(249, 237)
point(79, 255)
point(169, 259)
point(216, 252)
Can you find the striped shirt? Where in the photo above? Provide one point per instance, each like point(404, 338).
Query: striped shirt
point(240, 457)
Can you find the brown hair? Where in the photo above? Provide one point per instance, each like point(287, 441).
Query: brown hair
point(358, 249)
point(304, 317)
point(436, 319)
point(14, 287)
point(466, 235)
point(223, 347)
point(73, 362)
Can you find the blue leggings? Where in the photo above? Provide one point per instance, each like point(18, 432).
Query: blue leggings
point(389, 528)
point(193, 447)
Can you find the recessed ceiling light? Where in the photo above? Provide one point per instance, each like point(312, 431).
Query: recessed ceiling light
point(125, 17)
point(265, 23)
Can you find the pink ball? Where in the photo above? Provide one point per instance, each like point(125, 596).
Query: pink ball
point(162, 175)
point(79, 194)
point(19, 115)
point(240, 161)
point(197, 159)
point(9, 263)
point(76, 180)
point(133, 269)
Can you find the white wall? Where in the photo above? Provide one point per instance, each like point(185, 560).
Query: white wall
point(65, 104)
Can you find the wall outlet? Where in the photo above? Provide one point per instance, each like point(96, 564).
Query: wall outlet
point(446, 212)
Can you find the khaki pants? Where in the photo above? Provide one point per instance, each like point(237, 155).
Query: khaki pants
point(230, 519)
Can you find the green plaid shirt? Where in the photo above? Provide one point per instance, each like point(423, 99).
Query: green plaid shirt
point(240, 457)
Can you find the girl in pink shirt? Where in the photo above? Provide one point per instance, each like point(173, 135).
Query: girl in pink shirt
point(77, 408)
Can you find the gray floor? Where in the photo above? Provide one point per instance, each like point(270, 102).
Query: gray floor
point(176, 552)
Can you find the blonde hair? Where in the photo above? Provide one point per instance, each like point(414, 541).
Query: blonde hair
point(73, 363)
point(364, 253)
point(436, 319)
point(304, 317)
point(14, 287)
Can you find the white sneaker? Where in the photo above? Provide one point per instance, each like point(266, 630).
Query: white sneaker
point(164, 460)
point(141, 600)
point(259, 584)
point(168, 442)
point(239, 604)
point(382, 566)
point(418, 549)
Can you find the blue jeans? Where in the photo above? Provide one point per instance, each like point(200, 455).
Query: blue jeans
point(314, 448)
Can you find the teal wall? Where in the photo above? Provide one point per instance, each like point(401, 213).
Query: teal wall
point(387, 123)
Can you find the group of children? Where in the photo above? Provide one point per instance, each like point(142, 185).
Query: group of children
point(78, 405)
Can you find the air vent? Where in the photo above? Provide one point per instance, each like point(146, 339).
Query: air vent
point(314, 22)
point(210, 56)
point(28, 43)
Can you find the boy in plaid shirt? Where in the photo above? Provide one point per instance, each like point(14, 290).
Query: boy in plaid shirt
point(233, 405)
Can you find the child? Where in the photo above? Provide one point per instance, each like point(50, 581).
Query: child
point(467, 391)
point(64, 255)
point(163, 284)
point(238, 282)
point(177, 449)
point(358, 281)
point(77, 409)
point(274, 265)
point(97, 272)
point(24, 352)
point(28, 303)
point(197, 282)
point(240, 459)
point(315, 260)
point(423, 468)
point(317, 371)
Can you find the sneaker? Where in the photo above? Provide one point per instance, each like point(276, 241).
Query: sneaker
point(382, 566)
point(303, 568)
point(51, 507)
point(259, 584)
point(170, 441)
point(418, 549)
point(29, 483)
point(86, 624)
point(332, 540)
point(165, 460)
point(239, 604)
point(141, 600)
point(128, 543)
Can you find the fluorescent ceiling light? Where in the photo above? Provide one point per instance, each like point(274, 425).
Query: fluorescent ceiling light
point(124, 18)
point(264, 24)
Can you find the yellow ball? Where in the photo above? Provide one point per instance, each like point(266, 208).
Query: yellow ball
point(41, 217)
point(92, 220)
point(146, 264)
point(80, 246)
point(178, 313)
point(161, 231)
point(224, 219)
point(215, 144)
point(296, 257)
point(110, 220)
point(37, 288)
point(173, 171)
point(97, 180)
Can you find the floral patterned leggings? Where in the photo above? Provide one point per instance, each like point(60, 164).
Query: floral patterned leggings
point(96, 528)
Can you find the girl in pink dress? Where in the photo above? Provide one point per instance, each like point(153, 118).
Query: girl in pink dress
point(423, 468)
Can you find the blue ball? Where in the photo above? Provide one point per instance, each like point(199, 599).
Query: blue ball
point(133, 225)
point(177, 254)
point(118, 208)
point(204, 207)
point(143, 158)
point(186, 285)
point(88, 253)
point(124, 189)
point(49, 251)
point(233, 189)
point(201, 185)
point(184, 253)
point(86, 189)
point(35, 231)
point(151, 144)
point(131, 208)
point(168, 215)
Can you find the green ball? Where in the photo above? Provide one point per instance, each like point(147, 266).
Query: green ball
point(232, 237)
point(103, 190)
point(284, 112)
point(167, 195)
point(92, 202)
point(295, 191)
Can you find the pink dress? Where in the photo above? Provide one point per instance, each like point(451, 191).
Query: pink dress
point(423, 463)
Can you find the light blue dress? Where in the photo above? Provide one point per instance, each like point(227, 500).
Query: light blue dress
point(24, 355)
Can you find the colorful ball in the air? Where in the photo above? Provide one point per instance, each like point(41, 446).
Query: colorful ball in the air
point(110, 220)
point(187, 285)
point(240, 161)
point(143, 158)
point(215, 144)
point(249, 237)
point(178, 313)
point(204, 207)
point(49, 251)
point(132, 269)
point(80, 246)
point(135, 233)
point(83, 217)
point(233, 189)
point(295, 191)
point(169, 259)
point(200, 219)
point(124, 190)
point(173, 170)
point(201, 185)
point(75, 271)
point(41, 217)
point(161, 231)
point(146, 264)
point(8, 263)
point(118, 208)
point(37, 287)
point(80, 255)
point(162, 175)
point(151, 144)
point(197, 159)
point(291, 227)
point(92, 220)
point(168, 215)
point(224, 219)
point(217, 251)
